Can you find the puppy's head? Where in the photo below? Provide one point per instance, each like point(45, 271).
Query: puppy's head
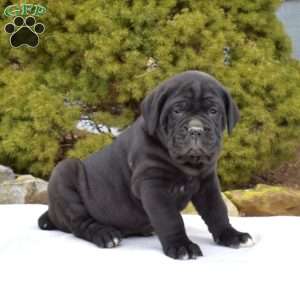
point(189, 113)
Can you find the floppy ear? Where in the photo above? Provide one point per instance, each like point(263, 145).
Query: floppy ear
point(151, 108)
point(232, 112)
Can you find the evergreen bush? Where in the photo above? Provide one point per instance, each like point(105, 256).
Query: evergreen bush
point(99, 58)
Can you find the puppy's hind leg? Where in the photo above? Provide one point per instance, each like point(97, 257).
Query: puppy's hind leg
point(67, 209)
point(45, 223)
point(87, 228)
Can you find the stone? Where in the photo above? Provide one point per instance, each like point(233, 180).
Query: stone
point(266, 200)
point(21, 190)
point(231, 208)
point(38, 198)
point(6, 174)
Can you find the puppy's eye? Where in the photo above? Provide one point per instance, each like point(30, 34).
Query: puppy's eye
point(212, 111)
point(179, 109)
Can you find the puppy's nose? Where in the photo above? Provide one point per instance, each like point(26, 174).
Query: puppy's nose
point(195, 128)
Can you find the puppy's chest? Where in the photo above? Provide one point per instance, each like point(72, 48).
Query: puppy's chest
point(183, 188)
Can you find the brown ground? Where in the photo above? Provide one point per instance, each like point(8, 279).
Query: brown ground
point(287, 174)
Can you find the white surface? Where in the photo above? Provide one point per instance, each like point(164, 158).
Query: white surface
point(37, 264)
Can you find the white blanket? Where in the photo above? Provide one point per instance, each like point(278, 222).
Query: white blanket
point(38, 265)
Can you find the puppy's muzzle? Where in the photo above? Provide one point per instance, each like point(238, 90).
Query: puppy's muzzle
point(195, 128)
point(195, 142)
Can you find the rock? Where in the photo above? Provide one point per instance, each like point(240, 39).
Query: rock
point(39, 198)
point(21, 190)
point(6, 174)
point(231, 208)
point(265, 200)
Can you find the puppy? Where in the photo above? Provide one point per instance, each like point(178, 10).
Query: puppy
point(139, 184)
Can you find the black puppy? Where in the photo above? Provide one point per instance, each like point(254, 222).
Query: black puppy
point(141, 182)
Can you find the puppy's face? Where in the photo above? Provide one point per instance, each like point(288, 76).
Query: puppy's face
point(189, 113)
point(194, 130)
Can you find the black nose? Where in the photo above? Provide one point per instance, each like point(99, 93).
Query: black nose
point(195, 131)
point(195, 128)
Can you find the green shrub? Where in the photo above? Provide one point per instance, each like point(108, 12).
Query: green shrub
point(89, 145)
point(32, 122)
point(94, 54)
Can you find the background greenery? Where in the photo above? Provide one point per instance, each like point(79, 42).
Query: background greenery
point(92, 61)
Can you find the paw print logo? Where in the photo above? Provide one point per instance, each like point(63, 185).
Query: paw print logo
point(24, 32)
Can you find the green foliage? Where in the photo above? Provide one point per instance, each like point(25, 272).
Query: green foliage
point(114, 120)
point(90, 144)
point(32, 120)
point(94, 54)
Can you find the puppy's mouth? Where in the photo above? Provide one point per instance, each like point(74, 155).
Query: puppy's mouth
point(193, 165)
point(193, 159)
point(193, 154)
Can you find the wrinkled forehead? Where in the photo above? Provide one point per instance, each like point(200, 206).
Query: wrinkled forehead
point(197, 88)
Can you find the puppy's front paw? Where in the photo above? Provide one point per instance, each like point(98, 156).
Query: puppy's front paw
point(230, 237)
point(183, 250)
point(107, 237)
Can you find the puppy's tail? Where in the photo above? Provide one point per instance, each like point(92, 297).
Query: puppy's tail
point(45, 223)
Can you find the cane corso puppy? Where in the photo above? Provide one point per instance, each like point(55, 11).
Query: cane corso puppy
point(139, 184)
